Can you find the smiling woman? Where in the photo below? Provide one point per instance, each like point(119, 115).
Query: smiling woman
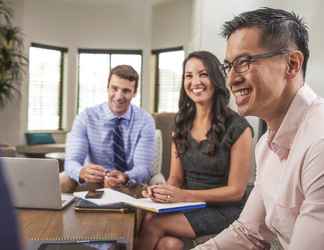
point(196, 83)
point(210, 159)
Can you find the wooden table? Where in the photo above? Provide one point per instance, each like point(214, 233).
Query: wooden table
point(70, 225)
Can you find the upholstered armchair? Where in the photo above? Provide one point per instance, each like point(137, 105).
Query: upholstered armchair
point(157, 176)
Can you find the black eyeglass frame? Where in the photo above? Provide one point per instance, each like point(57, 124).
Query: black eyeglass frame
point(248, 59)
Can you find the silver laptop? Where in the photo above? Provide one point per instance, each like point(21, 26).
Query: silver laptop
point(34, 183)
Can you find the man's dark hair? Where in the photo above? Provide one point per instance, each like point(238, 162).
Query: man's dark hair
point(125, 72)
point(280, 29)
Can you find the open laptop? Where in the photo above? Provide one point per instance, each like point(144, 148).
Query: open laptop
point(34, 183)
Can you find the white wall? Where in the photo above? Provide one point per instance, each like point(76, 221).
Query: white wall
point(171, 24)
point(195, 24)
point(10, 116)
point(95, 24)
point(75, 24)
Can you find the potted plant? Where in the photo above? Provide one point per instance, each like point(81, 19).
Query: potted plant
point(12, 59)
point(12, 63)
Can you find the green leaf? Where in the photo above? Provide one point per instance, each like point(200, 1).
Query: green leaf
point(13, 62)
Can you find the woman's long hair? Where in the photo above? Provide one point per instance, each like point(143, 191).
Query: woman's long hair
point(187, 109)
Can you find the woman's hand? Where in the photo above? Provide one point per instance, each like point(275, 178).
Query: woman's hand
point(147, 192)
point(165, 193)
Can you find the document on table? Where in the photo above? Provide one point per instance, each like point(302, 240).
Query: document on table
point(111, 196)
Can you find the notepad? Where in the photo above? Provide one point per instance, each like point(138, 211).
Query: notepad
point(111, 196)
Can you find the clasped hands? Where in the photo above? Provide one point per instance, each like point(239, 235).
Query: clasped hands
point(164, 193)
point(93, 173)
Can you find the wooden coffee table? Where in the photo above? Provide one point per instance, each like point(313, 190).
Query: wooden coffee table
point(70, 225)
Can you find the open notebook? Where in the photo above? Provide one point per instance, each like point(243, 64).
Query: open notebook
point(111, 196)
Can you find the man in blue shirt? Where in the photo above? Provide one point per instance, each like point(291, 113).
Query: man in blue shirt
point(91, 144)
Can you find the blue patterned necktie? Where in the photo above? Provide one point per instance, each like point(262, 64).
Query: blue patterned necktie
point(118, 147)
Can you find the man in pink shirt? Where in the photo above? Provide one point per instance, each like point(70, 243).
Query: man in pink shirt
point(266, 59)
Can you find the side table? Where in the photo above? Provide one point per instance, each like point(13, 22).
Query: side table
point(60, 156)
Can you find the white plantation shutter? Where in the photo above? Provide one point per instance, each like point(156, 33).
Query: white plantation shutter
point(45, 82)
point(93, 75)
point(169, 80)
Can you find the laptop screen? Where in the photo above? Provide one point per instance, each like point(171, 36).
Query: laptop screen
point(34, 183)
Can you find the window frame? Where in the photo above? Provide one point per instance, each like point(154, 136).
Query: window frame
point(109, 52)
point(63, 51)
point(156, 53)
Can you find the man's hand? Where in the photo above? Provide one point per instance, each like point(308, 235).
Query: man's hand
point(115, 178)
point(92, 173)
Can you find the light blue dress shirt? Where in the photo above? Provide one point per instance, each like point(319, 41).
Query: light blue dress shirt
point(91, 138)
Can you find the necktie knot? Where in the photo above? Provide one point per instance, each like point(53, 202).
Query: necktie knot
point(118, 121)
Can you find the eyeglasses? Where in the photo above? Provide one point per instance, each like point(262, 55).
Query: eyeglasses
point(242, 63)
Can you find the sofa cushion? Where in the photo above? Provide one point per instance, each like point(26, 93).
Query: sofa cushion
point(158, 152)
point(39, 138)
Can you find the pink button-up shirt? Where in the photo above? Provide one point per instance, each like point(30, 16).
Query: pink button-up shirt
point(288, 198)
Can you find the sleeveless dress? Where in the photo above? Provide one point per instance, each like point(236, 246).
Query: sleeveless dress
point(205, 172)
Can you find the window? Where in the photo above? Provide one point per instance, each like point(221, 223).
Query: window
point(93, 75)
point(168, 78)
point(45, 87)
point(94, 68)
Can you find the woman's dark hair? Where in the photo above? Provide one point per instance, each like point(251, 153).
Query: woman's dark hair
point(187, 109)
point(280, 29)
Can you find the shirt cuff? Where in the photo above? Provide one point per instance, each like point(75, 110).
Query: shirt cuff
point(73, 170)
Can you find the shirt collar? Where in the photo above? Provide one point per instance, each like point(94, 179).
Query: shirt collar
point(109, 115)
point(281, 141)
